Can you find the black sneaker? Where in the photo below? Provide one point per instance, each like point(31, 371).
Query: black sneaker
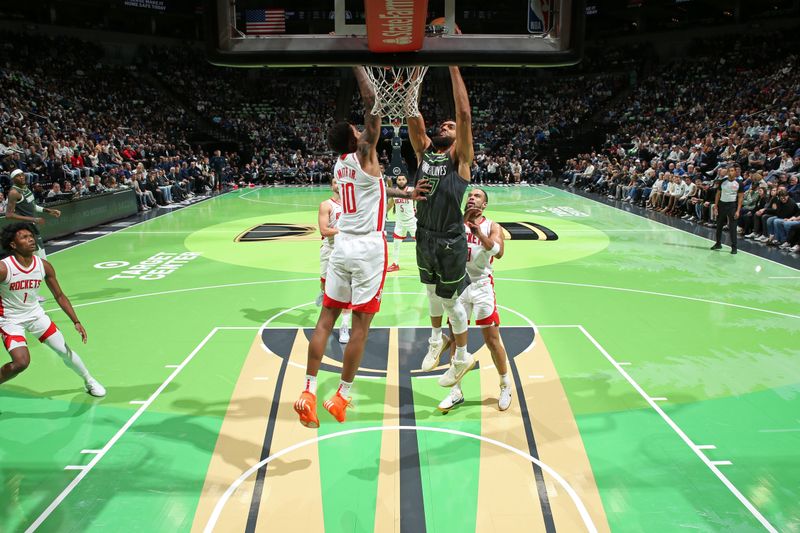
point(733, 251)
point(717, 246)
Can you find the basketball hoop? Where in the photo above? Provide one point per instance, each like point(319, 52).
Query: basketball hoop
point(396, 91)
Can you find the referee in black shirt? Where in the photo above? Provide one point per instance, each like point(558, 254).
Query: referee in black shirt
point(728, 204)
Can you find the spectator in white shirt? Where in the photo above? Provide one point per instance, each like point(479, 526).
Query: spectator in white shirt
point(655, 192)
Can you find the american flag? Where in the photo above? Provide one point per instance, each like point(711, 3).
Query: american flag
point(260, 21)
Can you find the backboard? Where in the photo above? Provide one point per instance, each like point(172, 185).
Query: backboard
point(257, 33)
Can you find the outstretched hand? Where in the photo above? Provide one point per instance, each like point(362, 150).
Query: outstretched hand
point(421, 189)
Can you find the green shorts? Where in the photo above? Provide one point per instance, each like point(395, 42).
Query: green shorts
point(442, 261)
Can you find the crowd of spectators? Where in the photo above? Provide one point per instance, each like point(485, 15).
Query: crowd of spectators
point(281, 116)
point(692, 122)
point(77, 125)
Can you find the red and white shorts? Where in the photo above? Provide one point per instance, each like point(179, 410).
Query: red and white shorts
point(356, 272)
point(403, 228)
point(13, 331)
point(480, 301)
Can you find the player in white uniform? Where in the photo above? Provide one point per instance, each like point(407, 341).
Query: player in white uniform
point(328, 218)
point(485, 244)
point(357, 265)
point(21, 275)
point(405, 222)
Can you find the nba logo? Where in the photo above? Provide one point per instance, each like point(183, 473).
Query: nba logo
point(538, 16)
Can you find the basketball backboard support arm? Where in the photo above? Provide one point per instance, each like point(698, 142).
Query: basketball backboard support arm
point(225, 47)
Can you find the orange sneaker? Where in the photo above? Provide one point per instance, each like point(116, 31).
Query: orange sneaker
point(336, 406)
point(393, 268)
point(306, 407)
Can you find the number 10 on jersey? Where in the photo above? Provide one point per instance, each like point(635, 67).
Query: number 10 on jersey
point(348, 198)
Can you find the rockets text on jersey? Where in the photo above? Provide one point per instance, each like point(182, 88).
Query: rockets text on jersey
point(479, 262)
point(20, 288)
point(405, 208)
point(363, 197)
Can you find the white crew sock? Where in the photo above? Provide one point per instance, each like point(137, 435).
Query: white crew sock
point(436, 334)
point(505, 380)
point(311, 384)
point(347, 318)
point(344, 388)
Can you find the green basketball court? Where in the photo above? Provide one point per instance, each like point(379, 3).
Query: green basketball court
point(657, 385)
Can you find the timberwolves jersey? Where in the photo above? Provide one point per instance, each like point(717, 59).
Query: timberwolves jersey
point(27, 205)
point(441, 213)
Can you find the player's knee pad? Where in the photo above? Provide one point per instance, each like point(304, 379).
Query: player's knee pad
point(434, 301)
point(456, 314)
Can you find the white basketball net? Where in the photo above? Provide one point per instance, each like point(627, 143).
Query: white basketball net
point(396, 90)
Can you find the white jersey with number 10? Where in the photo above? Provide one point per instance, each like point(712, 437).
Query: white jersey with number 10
point(363, 197)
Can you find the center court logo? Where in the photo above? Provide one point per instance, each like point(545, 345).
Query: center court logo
point(275, 231)
point(157, 266)
point(527, 231)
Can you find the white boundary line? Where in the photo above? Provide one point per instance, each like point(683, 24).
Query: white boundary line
point(651, 293)
point(712, 465)
point(189, 289)
point(266, 324)
point(584, 513)
point(519, 280)
point(794, 269)
point(104, 450)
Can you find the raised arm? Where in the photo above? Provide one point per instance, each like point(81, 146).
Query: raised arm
point(463, 149)
point(368, 139)
point(416, 130)
point(494, 242)
point(416, 134)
